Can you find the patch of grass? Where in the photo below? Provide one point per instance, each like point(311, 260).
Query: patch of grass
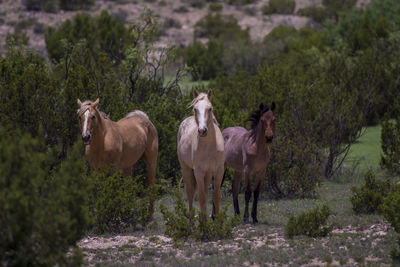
point(367, 150)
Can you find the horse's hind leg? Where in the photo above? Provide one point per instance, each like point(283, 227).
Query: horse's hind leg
point(190, 184)
point(150, 157)
point(247, 196)
point(235, 190)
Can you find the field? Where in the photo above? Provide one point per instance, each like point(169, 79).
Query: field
point(355, 240)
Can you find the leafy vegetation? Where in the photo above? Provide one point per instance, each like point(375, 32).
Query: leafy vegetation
point(182, 224)
point(279, 7)
point(369, 197)
point(310, 223)
point(390, 139)
point(37, 207)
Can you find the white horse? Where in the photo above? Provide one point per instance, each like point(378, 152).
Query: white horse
point(201, 152)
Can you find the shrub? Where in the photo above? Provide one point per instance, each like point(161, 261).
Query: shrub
point(105, 33)
point(295, 167)
point(205, 61)
point(43, 214)
point(310, 223)
point(369, 197)
point(118, 203)
point(390, 209)
point(55, 5)
point(215, 7)
point(390, 140)
point(218, 26)
point(319, 14)
point(183, 224)
point(279, 7)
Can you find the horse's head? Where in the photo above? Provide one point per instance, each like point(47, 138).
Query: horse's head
point(268, 121)
point(88, 117)
point(203, 111)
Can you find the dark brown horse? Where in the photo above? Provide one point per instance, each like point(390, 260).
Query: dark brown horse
point(247, 152)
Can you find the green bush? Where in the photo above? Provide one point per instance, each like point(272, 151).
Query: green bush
point(105, 33)
point(218, 26)
point(390, 140)
point(310, 223)
point(55, 5)
point(369, 197)
point(294, 169)
point(279, 7)
point(390, 209)
point(182, 224)
point(319, 14)
point(118, 203)
point(43, 212)
point(215, 7)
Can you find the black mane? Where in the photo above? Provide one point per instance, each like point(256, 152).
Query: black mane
point(254, 119)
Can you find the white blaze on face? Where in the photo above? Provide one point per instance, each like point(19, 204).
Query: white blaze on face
point(85, 123)
point(202, 115)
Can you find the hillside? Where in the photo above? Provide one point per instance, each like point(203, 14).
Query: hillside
point(177, 18)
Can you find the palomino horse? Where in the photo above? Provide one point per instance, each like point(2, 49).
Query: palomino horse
point(118, 144)
point(201, 152)
point(248, 152)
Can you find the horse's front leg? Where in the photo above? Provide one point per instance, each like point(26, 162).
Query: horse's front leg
point(199, 175)
point(247, 176)
point(259, 177)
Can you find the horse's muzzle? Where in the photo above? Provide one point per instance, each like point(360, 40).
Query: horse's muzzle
point(203, 132)
point(269, 139)
point(86, 139)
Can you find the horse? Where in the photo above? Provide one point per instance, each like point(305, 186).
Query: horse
point(247, 152)
point(118, 145)
point(201, 152)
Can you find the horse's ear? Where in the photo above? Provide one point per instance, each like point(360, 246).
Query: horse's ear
point(95, 103)
point(209, 94)
point(79, 102)
point(273, 106)
point(195, 93)
point(262, 106)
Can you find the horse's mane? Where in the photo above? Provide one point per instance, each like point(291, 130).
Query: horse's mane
point(85, 105)
point(200, 97)
point(254, 119)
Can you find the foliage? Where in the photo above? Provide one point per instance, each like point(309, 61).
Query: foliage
point(279, 7)
point(55, 5)
point(369, 197)
point(183, 224)
point(294, 169)
point(28, 98)
point(105, 33)
point(117, 203)
point(215, 7)
point(218, 26)
point(205, 60)
point(390, 208)
point(390, 140)
point(310, 223)
point(39, 208)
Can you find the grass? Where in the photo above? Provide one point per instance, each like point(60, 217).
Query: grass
point(364, 240)
point(367, 150)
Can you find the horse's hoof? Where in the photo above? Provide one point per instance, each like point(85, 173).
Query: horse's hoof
point(246, 220)
point(255, 220)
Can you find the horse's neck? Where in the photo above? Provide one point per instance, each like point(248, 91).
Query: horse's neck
point(97, 143)
point(260, 139)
